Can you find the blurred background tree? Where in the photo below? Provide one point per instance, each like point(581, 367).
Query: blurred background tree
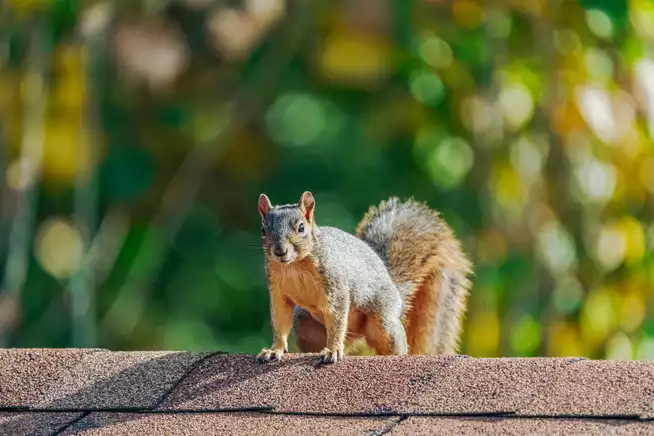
point(136, 136)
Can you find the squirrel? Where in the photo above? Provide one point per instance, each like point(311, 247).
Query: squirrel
point(401, 281)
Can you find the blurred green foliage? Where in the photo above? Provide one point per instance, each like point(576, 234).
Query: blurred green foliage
point(137, 136)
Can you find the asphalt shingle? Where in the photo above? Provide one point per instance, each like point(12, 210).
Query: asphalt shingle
point(26, 374)
point(254, 424)
point(514, 426)
point(421, 384)
point(113, 393)
point(34, 423)
point(597, 388)
point(485, 386)
point(118, 380)
point(649, 414)
point(298, 384)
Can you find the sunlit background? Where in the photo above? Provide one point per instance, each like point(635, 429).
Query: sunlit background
point(137, 135)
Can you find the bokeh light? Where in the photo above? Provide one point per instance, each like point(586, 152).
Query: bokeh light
point(58, 247)
point(138, 135)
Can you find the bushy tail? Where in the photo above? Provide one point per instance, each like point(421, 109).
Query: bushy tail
point(427, 264)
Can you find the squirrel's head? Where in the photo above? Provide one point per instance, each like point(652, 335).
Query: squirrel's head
point(287, 231)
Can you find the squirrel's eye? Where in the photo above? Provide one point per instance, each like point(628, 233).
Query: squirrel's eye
point(300, 228)
point(263, 231)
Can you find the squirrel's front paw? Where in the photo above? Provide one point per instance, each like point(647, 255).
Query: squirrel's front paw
point(331, 356)
point(268, 355)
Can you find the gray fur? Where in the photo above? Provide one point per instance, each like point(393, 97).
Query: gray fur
point(353, 274)
point(348, 260)
point(398, 246)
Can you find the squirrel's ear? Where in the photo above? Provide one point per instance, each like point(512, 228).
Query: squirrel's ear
point(307, 204)
point(264, 205)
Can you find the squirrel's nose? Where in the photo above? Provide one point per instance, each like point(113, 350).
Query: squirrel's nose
point(279, 249)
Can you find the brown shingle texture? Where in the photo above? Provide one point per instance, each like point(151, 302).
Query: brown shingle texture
point(484, 386)
point(519, 427)
point(597, 388)
point(102, 392)
point(34, 423)
point(118, 380)
point(298, 384)
point(251, 424)
point(421, 384)
point(27, 374)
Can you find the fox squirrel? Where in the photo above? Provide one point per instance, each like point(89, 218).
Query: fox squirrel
point(401, 282)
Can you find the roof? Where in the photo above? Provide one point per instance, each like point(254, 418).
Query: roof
point(100, 392)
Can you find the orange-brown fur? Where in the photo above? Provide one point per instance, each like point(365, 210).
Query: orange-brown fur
point(300, 284)
point(422, 303)
point(417, 323)
point(419, 265)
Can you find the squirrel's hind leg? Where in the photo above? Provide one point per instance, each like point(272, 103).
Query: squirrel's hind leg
point(385, 333)
point(310, 335)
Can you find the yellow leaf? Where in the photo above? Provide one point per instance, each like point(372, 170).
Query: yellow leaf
point(65, 151)
point(507, 186)
point(536, 7)
point(635, 237)
point(563, 340)
point(647, 173)
point(69, 94)
point(69, 60)
point(567, 117)
point(598, 318)
point(25, 6)
point(632, 144)
point(484, 335)
point(457, 78)
point(356, 57)
point(632, 311)
point(467, 13)
point(641, 14)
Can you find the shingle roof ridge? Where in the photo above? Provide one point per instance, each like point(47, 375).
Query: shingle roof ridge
point(428, 382)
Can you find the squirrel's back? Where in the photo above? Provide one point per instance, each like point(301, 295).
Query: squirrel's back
point(351, 257)
point(425, 260)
